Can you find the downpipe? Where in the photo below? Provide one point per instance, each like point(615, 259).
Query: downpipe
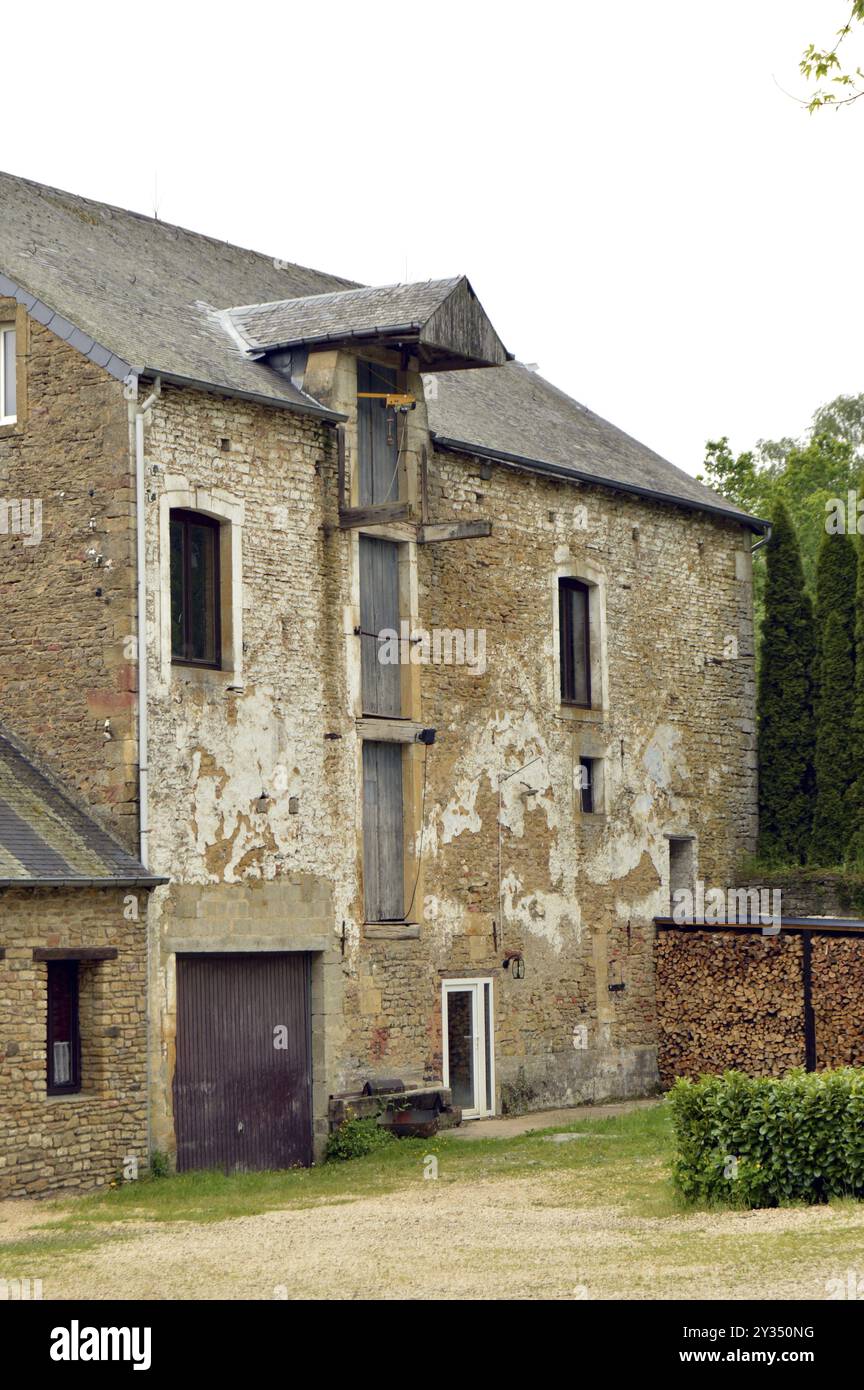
point(139, 414)
point(141, 610)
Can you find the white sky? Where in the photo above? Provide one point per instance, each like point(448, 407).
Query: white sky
point(641, 209)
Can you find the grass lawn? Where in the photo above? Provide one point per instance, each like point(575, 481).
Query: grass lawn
point(594, 1216)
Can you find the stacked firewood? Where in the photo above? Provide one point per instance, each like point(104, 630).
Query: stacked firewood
point(728, 1000)
point(838, 1000)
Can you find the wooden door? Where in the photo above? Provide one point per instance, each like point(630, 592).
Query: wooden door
point(383, 834)
point(379, 612)
point(377, 437)
point(243, 1079)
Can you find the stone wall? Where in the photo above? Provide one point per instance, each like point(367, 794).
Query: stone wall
point(276, 723)
point(67, 600)
point(256, 788)
point(808, 892)
point(577, 894)
point(78, 1141)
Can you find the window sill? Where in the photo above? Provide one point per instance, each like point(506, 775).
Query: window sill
point(9, 428)
point(204, 676)
point(391, 931)
point(579, 715)
point(595, 818)
point(67, 1097)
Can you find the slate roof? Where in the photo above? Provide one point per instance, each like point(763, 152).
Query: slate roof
point(147, 293)
point(341, 314)
point(142, 295)
point(511, 411)
point(46, 840)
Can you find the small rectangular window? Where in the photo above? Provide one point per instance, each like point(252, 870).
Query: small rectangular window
point(64, 1041)
point(587, 785)
point(8, 392)
point(575, 643)
point(682, 860)
point(195, 612)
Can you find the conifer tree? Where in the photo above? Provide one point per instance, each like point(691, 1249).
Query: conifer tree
point(833, 766)
point(836, 573)
point(785, 702)
point(856, 741)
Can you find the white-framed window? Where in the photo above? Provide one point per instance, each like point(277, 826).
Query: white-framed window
point(468, 1045)
point(8, 383)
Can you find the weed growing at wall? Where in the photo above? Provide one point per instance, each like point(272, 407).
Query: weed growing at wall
point(355, 1138)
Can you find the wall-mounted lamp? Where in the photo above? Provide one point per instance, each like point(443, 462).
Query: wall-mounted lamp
point(515, 961)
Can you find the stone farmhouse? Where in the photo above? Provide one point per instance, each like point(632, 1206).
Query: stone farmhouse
point(361, 698)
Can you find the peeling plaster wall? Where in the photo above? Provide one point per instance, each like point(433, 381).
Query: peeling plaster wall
point(245, 879)
point(576, 894)
point(675, 729)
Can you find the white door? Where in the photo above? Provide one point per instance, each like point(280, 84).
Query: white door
point(469, 1050)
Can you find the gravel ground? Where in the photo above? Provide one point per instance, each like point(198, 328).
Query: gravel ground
point(514, 1239)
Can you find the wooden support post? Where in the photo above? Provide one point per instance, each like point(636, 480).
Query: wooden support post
point(453, 531)
point(809, 1017)
point(340, 455)
point(424, 484)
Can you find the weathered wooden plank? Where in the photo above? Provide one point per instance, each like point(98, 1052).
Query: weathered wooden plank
point(393, 531)
point(433, 532)
point(389, 730)
point(352, 517)
point(409, 932)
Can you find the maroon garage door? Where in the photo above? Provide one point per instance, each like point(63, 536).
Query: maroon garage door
point(242, 1083)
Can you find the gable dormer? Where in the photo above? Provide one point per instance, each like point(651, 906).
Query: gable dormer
point(439, 323)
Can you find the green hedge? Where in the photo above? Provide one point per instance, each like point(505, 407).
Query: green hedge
point(761, 1142)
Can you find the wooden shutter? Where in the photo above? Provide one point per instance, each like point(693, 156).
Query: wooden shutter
point(379, 609)
point(383, 836)
point(377, 432)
